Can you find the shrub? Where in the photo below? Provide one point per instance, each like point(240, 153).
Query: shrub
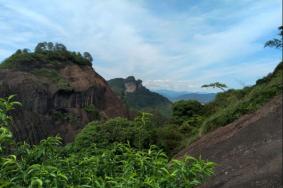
point(169, 138)
point(138, 133)
point(50, 164)
point(182, 110)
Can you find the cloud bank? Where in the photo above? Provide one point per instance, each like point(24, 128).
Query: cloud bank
point(177, 45)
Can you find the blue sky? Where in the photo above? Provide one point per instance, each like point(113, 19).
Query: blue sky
point(169, 44)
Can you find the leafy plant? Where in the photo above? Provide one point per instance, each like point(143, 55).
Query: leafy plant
point(50, 164)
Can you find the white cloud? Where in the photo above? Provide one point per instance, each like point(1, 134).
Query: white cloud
point(127, 38)
point(178, 85)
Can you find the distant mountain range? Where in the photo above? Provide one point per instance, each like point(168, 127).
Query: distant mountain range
point(184, 95)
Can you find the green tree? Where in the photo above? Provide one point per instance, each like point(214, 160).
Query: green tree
point(19, 51)
point(50, 46)
point(41, 46)
point(276, 43)
point(49, 164)
point(60, 47)
point(87, 56)
point(216, 85)
point(26, 51)
point(183, 110)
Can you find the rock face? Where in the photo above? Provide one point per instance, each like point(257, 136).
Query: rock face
point(248, 152)
point(139, 98)
point(57, 101)
point(132, 85)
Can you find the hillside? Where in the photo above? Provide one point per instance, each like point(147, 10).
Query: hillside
point(248, 151)
point(184, 95)
point(59, 91)
point(241, 131)
point(139, 98)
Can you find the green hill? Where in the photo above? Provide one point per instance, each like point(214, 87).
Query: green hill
point(230, 105)
point(139, 98)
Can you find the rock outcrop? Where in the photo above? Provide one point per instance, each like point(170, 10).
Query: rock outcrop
point(139, 98)
point(248, 152)
point(57, 99)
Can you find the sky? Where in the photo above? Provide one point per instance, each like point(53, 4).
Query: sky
point(169, 44)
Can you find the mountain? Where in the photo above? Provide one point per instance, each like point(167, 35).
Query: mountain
point(60, 92)
point(184, 95)
point(138, 97)
point(201, 97)
point(170, 94)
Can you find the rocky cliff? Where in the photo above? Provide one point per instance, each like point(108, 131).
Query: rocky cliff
point(139, 98)
point(58, 94)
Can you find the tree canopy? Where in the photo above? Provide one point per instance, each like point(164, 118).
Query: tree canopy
point(182, 110)
point(216, 85)
point(276, 42)
point(47, 52)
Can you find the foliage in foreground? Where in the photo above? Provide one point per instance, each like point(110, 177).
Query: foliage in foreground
point(50, 164)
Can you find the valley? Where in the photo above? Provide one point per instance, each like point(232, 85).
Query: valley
point(141, 94)
point(60, 111)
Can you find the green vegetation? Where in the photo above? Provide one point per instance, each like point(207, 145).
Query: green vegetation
point(276, 43)
point(120, 152)
point(45, 54)
point(194, 120)
point(234, 103)
point(216, 85)
point(191, 119)
point(45, 62)
point(54, 76)
point(65, 117)
point(87, 163)
point(184, 109)
point(92, 111)
point(139, 133)
point(141, 99)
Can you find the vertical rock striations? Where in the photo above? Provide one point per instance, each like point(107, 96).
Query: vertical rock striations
point(57, 100)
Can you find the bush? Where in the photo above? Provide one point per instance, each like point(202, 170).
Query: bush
point(182, 110)
point(169, 138)
point(50, 164)
point(138, 133)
